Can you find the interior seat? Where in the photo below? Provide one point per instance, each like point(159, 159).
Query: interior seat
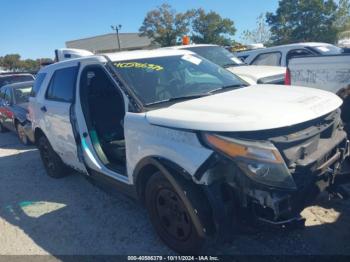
point(107, 113)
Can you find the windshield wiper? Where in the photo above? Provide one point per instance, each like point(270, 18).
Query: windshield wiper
point(233, 64)
point(179, 98)
point(226, 87)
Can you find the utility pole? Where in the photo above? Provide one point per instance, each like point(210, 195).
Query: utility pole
point(116, 29)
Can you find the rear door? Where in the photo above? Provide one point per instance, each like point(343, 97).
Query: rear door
point(56, 113)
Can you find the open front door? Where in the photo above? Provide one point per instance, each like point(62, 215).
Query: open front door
point(100, 111)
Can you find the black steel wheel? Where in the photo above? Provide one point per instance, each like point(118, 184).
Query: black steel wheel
point(173, 215)
point(170, 216)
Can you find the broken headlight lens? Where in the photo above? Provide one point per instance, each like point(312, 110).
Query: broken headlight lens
point(261, 161)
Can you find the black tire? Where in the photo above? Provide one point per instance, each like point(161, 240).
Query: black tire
point(170, 217)
point(52, 162)
point(23, 138)
point(2, 128)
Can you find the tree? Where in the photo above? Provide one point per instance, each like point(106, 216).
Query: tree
point(11, 61)
point(342, 22)
point(211, 28)
point(29, 65)
point(261, 34)
point(303, 20)
point(164, 26)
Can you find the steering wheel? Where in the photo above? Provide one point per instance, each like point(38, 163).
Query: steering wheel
point(164, 92)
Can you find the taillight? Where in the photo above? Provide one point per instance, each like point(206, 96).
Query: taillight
point(287, 79)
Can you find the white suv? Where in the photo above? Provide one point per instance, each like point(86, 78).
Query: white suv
point(189, 139)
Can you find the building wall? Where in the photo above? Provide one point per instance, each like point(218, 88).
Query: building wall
point(109, 43)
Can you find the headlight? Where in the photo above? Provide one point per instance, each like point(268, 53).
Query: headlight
point(261, 161)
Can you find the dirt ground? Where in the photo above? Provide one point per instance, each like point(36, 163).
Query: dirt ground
point(41, 215)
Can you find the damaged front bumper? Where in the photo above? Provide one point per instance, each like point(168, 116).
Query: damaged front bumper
point(314, 157)
point(278, 207)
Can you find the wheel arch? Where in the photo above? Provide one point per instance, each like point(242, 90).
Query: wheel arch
point(192, 194)
point(147, 166)
point(37, 134)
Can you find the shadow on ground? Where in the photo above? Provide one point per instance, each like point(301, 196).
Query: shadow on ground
point(70, 216)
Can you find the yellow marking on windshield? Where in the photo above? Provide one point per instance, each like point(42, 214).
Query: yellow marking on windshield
point(138, 65)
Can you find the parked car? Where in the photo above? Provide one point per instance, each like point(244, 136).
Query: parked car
point(13, 110)
point(10, 78)
point(188, 139)
point(280, 55)
point(330, 73)
point(251, 74)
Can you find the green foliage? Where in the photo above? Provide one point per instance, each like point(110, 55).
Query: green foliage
point(212, 28)
point(13, 62)
point(165, 26)
point(303, 20)
point(342, 22)
point(261, 34)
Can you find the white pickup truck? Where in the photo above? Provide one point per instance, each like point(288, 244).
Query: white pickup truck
point(330, 73)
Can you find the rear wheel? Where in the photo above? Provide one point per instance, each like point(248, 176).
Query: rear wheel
point(52, 162)
point(170, 217)
point(22, 134)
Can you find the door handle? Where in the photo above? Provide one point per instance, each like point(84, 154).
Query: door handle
point(43, 108)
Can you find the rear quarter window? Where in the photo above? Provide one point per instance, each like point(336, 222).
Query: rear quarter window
point(62, 85)
point(269, 59)
point(37, 84)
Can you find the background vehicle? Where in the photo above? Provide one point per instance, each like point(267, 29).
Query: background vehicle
point(251, 74)
point(9, 78)
point(280, 55)
point(13, 110)
point(70, 53)
point(189, 139)
point(330, 73)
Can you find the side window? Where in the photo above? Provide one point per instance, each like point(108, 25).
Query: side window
point(62, 85)
point(37, 84)
point(297, 52)
point(270, 59)
point(8, 96)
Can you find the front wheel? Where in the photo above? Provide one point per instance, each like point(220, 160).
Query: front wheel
point(52, 162)
point(170, 217)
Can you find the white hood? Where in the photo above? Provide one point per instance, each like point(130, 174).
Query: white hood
point(257, 72)
point(252, 108)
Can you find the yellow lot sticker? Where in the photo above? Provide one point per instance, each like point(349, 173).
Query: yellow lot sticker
point(138, 65)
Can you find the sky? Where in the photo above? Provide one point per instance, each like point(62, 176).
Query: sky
point(35, 28)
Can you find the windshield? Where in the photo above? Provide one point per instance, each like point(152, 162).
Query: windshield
point(328, 50)
point(5, 80)
point(216, 54)
point(22, 94)
point(161, 79)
